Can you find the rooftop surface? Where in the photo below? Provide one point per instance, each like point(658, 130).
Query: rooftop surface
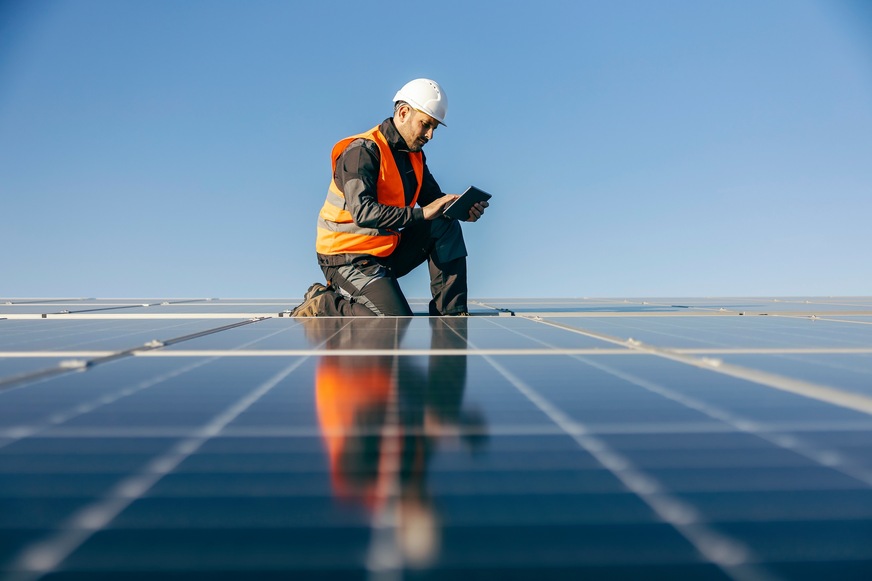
point(703, 438)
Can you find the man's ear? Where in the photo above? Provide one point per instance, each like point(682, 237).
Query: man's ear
point(403, 112)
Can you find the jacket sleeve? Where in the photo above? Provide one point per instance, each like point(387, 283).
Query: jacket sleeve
point(357, 175)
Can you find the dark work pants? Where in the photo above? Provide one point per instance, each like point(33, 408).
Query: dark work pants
point(370, 286)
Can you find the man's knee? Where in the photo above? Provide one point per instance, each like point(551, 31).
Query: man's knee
point(449, 240)
point(384, 297)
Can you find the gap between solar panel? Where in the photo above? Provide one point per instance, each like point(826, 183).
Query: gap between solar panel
point(77, 365)
point(825, 393)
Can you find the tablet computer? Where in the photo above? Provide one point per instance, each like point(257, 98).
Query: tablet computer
point(459, 208)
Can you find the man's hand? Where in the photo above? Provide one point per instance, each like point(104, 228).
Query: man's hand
point(434, 209)
point(476, 211)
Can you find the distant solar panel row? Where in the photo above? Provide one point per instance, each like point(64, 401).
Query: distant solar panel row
point(580, 438)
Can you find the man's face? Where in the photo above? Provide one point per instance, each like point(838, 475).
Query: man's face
point(415, 127)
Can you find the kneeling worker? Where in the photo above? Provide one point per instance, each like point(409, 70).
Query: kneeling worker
point(369, 231)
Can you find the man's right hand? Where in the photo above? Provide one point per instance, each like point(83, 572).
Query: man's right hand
point(435, 209)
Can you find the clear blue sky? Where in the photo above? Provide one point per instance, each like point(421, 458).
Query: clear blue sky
point(634, 148)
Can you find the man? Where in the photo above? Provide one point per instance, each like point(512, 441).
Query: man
point(369, 231)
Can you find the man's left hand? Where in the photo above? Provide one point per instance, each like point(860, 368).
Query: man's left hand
point(476, 211)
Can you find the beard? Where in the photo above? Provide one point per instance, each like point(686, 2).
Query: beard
point(417, 145)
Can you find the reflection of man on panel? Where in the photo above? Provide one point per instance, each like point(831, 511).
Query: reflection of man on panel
point(380, 417)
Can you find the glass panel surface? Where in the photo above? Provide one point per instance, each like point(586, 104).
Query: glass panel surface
point(727, 332)
point(480, 447)
point(15, 366)
point(97, 334)
point(849, 372)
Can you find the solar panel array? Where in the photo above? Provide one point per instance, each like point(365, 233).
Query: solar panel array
point(576, 438)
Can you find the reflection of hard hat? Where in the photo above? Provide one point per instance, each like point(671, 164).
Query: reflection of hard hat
point(425, 96)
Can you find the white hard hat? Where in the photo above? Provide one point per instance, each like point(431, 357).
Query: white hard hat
point(425, 96)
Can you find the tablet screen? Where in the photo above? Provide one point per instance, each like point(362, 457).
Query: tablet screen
point(459, 208)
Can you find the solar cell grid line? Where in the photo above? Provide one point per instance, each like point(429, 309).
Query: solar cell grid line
point(96, 309)
point(680, 304)
point(34, 376)
point(825, 393)
point(826, 458)
point(727, 332)
point(46, 555)
point(74, 366)
point(732, 556)
point(824, 351)
point(671, 329)
point(17, 366)
point(841, 303)
point(760, 305)
point(728, 554)
point(805, 427)
point(17, 333)
point(830, 319)
point(812, 328)
point(384, 560)
point(815, 391)
point(15, 433)
point(651, 328)
point(819, 439)
point(106, 331)
point(836, 335)
point(851, 373)
point(6, 301)
point(865, 318)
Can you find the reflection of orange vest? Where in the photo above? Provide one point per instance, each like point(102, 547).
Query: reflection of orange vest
point(337, 232)
point(352, 401)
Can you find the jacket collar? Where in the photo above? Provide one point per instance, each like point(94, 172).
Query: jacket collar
point(395, 140)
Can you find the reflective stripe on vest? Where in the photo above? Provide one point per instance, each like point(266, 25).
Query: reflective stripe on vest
point(337, 232)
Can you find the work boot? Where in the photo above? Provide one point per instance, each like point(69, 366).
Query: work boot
point(312, 307)
point(315, 290)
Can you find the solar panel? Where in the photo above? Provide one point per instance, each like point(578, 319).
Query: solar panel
point(564, 438)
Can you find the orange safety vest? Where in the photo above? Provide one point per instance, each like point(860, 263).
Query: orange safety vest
point(337, 232)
